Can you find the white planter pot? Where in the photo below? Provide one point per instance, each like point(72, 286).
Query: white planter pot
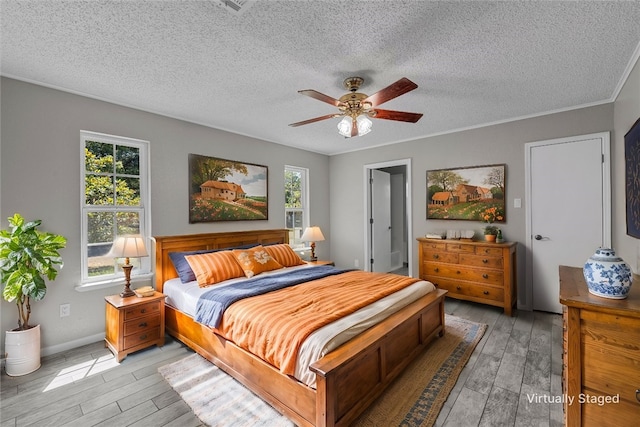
point(22, 349)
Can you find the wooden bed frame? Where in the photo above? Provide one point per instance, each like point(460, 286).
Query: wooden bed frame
point(348, 379)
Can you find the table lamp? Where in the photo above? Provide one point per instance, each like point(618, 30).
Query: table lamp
point(313, 235)
point(128, 247)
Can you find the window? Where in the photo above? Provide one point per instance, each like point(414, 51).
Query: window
point(296, 209)
point(115, 202)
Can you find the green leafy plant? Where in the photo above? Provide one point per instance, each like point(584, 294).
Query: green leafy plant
point(27, 256)
point(491, 229)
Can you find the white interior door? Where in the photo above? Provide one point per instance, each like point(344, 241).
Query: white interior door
point(568, 210)
point(380, 221)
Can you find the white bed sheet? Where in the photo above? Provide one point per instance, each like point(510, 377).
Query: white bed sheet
point(184, 297)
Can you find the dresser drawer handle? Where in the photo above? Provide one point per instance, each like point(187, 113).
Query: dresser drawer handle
point(436, 269)
point(638, 395)
point(144, 310)
point(486, 292)
point(142, 325)
point(485, 261)
point(143, 337)
point(436, 256)
point(458, 288)
point(458, 272)
point(485, 276)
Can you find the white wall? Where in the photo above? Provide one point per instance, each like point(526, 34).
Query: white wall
point(503, 143)
point(40, 178)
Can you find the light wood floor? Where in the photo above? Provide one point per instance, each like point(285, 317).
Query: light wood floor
point(518, 359)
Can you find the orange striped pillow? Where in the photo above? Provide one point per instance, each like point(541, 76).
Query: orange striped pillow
point(284, 255)
point(214, 267)
point(255, 260)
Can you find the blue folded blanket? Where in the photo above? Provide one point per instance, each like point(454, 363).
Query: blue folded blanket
point(212, 304)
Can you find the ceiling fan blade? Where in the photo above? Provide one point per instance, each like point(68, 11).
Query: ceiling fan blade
point(316, 119)
point(320, 97)
point(394, 90)
point(401, 116)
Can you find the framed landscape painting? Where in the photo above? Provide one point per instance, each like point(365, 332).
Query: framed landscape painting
point(632, 179)
point(226, 190)
point(475, 193)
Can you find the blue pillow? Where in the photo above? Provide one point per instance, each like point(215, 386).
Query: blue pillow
point(183, 268)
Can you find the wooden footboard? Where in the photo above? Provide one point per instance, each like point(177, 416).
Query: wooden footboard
point(348, 379)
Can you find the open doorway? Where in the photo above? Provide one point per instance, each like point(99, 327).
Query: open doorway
point(391, 252)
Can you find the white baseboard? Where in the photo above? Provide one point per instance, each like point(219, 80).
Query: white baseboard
point(70, 345)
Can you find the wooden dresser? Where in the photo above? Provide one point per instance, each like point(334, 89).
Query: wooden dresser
point(134, 323)
point(474, 271)
point(601, 360)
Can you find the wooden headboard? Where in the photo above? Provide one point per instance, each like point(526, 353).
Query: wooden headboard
point(194, 242)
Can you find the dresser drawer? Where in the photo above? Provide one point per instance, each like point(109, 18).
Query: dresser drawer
point(611, 355)
point(468, 289)
point(481, 261)
point(141, 324)
point(140, 310)
point(441, 256)
point(434, 245)
point(141, 338)
point(460, 272)
point(489, 251)
point(460, 247)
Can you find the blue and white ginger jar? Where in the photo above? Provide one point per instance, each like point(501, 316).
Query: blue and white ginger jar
point(607, 275)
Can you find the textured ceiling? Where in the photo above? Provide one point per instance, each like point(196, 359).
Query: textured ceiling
point(474, 62)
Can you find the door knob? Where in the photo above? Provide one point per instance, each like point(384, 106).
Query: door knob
point(538, 237)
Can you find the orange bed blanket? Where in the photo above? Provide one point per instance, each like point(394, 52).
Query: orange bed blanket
point(274, 325)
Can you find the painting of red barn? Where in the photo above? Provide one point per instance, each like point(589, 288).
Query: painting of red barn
point(226, 190)
point(475, 193)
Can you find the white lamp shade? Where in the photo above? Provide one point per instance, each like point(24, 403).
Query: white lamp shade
point(364, 125)
point(312, 234)
point(128, 247)
point(344, 127)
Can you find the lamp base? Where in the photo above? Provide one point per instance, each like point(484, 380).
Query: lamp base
point(127, 292)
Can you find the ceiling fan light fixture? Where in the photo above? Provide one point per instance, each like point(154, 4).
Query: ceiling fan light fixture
point(344, 127)
point(363, 123)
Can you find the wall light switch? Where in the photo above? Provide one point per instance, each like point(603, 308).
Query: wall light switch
point(517, 203)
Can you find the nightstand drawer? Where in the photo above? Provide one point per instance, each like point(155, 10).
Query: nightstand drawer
point(141, 338)
point(140, 310)
point(141, 324)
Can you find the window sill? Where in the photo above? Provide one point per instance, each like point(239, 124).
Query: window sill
point(119, 281)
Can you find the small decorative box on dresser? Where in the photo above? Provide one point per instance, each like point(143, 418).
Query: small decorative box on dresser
point(474, 271)
point(134, 323)
point(601, 360)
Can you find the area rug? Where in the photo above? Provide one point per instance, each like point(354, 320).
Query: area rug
point(413, 399)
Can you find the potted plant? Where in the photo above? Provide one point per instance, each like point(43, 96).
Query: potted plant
point(489, 216)
point(27, 257)
point(490, 233)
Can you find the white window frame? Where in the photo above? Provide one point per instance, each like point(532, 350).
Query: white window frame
point(304, 186)
point(145, 271)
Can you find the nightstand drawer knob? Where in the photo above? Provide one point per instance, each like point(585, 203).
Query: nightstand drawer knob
point(143, 337)
point(142, 325)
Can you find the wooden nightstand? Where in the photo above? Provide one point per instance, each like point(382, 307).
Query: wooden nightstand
point(134, 323)
point(319, 262)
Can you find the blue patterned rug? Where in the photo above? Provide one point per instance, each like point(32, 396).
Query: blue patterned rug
point(413, 399)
